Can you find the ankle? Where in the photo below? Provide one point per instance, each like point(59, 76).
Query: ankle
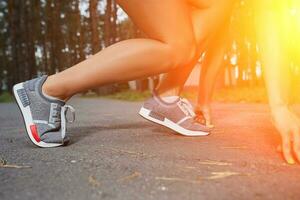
point(167, 93)
point(202, 107)
point(49, 89)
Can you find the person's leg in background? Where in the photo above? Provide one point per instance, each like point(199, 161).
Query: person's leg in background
point(210, 68)
point(165, 107)
point(208, 18)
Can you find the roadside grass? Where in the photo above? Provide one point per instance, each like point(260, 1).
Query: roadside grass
point(230, 95)
point(129, 95)
point(234, 95)
point(6, 97)
point(124, 95)
point(241, 95)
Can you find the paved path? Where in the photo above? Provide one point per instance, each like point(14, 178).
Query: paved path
point(115, 154)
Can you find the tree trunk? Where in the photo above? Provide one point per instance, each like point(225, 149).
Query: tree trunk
point(59, 38)
point(94, 26)
point(107, 23)
point(80, 38)
point(114, 22)
point(30, 40)
point(13, 72)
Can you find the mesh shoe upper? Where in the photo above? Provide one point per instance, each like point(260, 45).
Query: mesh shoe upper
point(180, 112)
point(46, 112)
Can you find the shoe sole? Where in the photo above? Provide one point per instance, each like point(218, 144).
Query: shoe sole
point(28, 121)
point(145, 113)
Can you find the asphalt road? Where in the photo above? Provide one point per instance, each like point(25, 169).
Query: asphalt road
point(115, 154)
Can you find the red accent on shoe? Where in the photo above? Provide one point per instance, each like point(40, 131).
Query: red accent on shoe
point(34, 133)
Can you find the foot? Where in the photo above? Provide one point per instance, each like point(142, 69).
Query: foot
point(44, 116)
point(178, 116)
point(203, 116)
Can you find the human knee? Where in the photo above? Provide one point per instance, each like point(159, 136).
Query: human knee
point(183, 53)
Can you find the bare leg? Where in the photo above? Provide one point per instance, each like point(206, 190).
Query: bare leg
point(210, 69)
point(271, 34)
point(208, 18)
point(171, 44)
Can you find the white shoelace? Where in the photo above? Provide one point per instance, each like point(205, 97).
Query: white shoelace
point(64, 119)
point(190, 106)
point(187, 108)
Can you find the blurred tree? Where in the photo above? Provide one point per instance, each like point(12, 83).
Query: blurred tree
point(110, 23)
point(13, 75)
point(3, 44)
point(94, 26)
point(30, 36)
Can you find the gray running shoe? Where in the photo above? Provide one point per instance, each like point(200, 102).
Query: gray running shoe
point(178, 116)
point(45, 118)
